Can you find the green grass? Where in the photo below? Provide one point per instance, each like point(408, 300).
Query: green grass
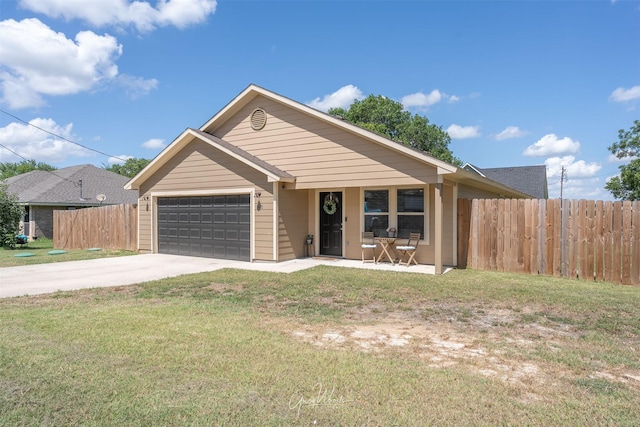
point(40, 249)
point(238, 347)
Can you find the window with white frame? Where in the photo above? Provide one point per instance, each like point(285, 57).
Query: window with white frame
point(410, 212)
point(401, 209)
point(376, 211)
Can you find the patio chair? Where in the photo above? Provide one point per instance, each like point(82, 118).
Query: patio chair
point(368, 244)
point(408, 251)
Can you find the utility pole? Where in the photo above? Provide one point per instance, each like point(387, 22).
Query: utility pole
point(564, 267)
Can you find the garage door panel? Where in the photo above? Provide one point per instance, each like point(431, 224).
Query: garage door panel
point(211, 226)
point(232, 218)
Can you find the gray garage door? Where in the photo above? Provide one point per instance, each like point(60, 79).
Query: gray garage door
point(214, 226)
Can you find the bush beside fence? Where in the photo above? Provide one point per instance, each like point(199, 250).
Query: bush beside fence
point(586, 239)
point(107, 227)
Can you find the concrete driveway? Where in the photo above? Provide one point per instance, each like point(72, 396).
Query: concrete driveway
point(128, 270)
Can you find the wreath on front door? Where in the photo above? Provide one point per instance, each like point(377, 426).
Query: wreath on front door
point(330, 205)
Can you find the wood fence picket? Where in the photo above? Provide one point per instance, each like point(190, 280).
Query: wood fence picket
point(107, 227)
point(584, 239)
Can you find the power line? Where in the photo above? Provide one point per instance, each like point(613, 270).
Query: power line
point(60, 137)
point(51, 172)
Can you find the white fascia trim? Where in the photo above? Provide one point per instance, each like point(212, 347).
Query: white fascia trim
point(270, 176)
point(211, 192)
point(474, 169)
point(151, 168)
point(443, 167)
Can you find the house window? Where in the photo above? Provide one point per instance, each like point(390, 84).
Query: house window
point(404, 209)
point(410, 210)
point(376, 211)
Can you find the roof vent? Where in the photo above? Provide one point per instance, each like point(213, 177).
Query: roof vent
point(258, 119)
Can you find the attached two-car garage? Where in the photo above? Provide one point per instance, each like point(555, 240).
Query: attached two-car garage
point(207, 226)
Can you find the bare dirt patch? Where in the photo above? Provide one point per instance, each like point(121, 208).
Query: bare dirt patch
point(493, 342)
point(224, 287)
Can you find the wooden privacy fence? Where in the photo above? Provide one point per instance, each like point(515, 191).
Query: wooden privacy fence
point(586, 239)
point(107, 227)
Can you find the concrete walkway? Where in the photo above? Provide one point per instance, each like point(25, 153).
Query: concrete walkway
point(118, 271)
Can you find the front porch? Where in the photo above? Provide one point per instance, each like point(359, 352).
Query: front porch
point(299, 264)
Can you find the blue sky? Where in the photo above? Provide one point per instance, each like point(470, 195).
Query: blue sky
point(513, 82)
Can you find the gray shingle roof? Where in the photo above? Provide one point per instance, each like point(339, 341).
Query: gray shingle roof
point(531, 180)
point(62, 187)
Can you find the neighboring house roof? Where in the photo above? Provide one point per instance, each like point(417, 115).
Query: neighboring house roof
point(531, 180)
point(207, 130)
point(71, 186)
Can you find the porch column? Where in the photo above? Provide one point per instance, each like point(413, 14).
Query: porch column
point(437, 238)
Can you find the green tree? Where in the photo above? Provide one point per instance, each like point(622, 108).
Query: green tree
point(10, 215)
point(626, 186)
point(8, 169)
point(130, 168)
point(388, 118)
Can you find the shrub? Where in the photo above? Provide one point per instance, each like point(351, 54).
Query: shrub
point(10, 215)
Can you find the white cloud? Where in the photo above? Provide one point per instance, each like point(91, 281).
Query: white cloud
point(614, 159)
point(36, 61)
point(342, 98)
point(139, 14)
point(550, 145)
point(118, 160)
point(154, 143)
point(579, 169)
point(580, 182)
point(32, 143)
point(137, 86)
point(625, 95)
point(421, 100)
point(510, 132)
point(453, 98)
point(463, 132)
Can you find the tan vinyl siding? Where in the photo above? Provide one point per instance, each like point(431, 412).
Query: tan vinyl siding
point(317, 153)
point(468, 192)
point(263, 238)
point(448, 219)
point(426, 252)
point(144, 225)
point(292, 223)
point(352, 233)
point(200, 168)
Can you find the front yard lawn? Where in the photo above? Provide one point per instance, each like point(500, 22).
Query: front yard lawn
point(326, 346)
point(40, 254)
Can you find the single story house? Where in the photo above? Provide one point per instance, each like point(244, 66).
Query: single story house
point(73, 187)
point(531, 180)
point(267, 174)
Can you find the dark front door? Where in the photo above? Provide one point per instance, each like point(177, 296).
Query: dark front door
point(331, 223)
